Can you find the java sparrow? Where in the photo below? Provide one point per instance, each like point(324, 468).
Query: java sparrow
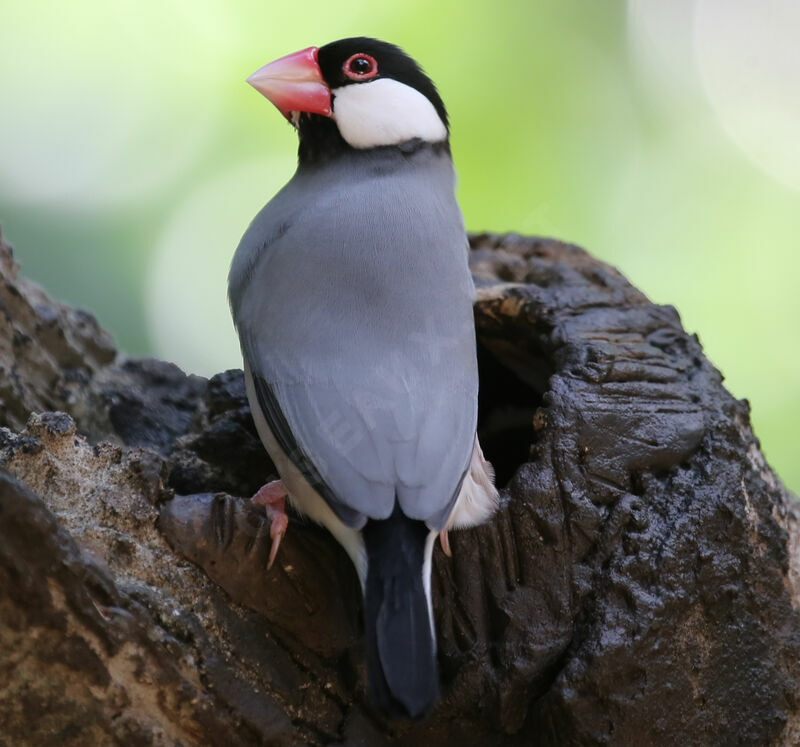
point(352, 298)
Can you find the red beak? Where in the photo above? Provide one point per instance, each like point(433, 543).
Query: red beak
point(294, 84)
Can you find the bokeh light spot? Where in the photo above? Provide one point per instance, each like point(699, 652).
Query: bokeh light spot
point(186, 295)
point(749, 57)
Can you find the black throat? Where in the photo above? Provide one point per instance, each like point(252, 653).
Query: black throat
point(320, 139)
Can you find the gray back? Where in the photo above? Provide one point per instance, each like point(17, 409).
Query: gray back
point(353, 301)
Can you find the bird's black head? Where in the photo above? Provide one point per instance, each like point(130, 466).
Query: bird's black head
point(358, 60)
point(355, 93)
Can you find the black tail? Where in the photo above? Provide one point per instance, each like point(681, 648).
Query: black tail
point(401, 648)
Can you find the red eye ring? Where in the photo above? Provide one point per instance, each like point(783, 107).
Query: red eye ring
point(355, 69)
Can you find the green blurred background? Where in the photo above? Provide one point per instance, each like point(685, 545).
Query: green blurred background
point(662, 136)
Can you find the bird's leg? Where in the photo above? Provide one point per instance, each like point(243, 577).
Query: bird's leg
point(272, 497)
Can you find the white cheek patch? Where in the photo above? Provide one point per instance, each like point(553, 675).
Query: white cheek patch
point(385, 112)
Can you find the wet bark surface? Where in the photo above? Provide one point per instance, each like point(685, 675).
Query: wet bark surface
point(640, 583)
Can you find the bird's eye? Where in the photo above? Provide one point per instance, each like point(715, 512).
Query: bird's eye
point(360, 66)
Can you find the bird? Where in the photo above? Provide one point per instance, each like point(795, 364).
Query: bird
point(353, 302)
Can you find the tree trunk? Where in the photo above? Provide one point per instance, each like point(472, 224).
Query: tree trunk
point(640, 583)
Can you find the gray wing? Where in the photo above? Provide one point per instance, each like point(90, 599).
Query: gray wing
point(357, 326)
point(279, 427)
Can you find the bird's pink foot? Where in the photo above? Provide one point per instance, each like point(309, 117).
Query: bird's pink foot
point(445, 542)
point(272, 497)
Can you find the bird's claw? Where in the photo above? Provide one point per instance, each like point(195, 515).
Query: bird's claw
point(272, 497)
point(277, 528)
point(445, 542)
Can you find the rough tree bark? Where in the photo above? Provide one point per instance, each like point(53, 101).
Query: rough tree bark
point(640, 584)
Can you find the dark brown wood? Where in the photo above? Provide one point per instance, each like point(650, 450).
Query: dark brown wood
point(639, 585)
